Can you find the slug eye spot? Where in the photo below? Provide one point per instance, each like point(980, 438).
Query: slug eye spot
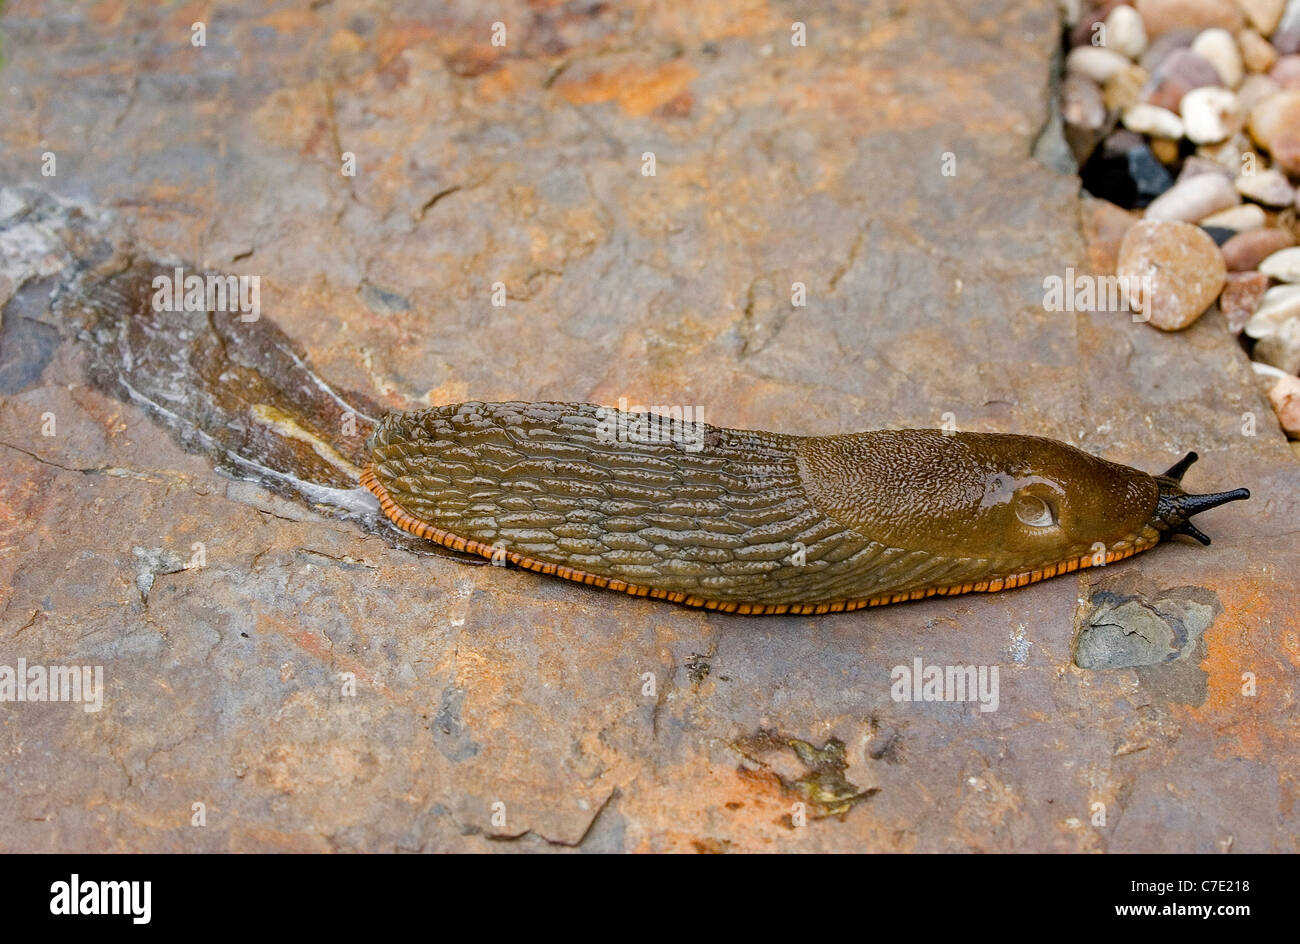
point(1034, 511)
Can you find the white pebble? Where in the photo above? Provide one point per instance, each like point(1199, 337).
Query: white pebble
point(1192, 199)
point(1269, 187)
point(1125, 32)
point(1153, 120)
point(1238, 218)
point(1220, 49)
point(1096, 62)
point(1283, 265)
point(1278, 306)
point(1210, 115)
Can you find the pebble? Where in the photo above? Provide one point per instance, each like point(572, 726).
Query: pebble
point(1084, 113)
point(1124, 88)
point(1238, 219)
point(1166, 150)
point(1125, 32)
point(1084, 30)
point(1245, 251)
point(1284, 396)
point(1275, 125)
point(1160, 16)
point(1181, 72)
point(1196, 164)
point(1149, 119)
point(1160, 49)
point(1286, 72)
point(1282, 348)
point(1219, 49)
point(1210, 115)
point(1124, 171)
point(1240, 298)
point(1192, 199)
point(1095, 62)
point(1150, 177)
point(1227, 155)
point(1286, 38)
point(1269, 187)
point(1263, 15)
point(1283, 265)
point(1183, 268)
point(1257, 53)
point(1278, 306)
point(1254, 90)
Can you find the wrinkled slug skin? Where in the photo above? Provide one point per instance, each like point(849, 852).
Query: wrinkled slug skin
point(756, 521)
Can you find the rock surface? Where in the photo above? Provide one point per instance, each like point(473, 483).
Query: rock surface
point(498, 710)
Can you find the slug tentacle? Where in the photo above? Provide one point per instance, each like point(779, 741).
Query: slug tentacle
point(756, 522)
point(1179, 468)
point(1175, 507)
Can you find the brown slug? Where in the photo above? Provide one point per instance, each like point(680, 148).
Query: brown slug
point(755, 522)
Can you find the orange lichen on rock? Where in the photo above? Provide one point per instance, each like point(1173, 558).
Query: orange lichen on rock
point(638, 91)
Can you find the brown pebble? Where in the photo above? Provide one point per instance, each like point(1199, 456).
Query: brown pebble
point(1285, 398)
point(1245, 251)
point(1263, 15)
point(1165, 150)
point(1275, 124)
point(1257, 52)
point(1171, 272)
point(1161, 16)
point(1240, 298)
point(1183, 71)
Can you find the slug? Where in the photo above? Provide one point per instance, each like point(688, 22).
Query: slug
point(754, 522)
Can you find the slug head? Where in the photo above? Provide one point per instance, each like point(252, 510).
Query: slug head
point(1022, 501)
point(1175, 507)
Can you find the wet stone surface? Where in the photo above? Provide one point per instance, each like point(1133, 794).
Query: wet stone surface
point(319, 683)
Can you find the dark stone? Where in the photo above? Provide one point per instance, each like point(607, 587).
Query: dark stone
point(1220, 234)
point(1125, 172)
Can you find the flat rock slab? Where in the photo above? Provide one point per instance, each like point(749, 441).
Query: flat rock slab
point(316, 687)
